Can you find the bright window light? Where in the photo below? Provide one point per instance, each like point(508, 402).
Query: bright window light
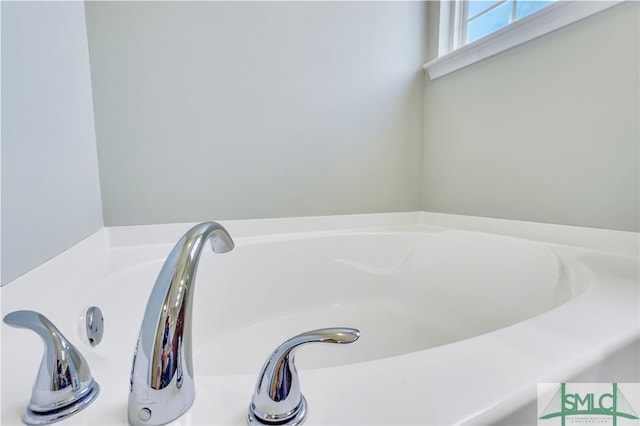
point(471, 31)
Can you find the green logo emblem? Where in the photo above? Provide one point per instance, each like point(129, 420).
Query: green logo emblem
point(585, 402)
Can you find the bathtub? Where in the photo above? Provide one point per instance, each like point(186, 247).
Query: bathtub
point(460, 317)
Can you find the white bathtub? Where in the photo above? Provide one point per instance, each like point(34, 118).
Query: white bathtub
point(460, 317)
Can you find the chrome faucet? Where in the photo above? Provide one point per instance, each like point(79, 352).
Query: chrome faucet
point(277, 400)
point(162, 387)
point(64, 384)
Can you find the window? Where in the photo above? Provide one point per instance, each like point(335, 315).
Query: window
point(474, 30)
point(480, 18)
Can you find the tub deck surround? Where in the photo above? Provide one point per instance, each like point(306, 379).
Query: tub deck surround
point(460, 316)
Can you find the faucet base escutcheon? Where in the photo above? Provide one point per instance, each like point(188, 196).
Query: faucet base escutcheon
point(36, 418)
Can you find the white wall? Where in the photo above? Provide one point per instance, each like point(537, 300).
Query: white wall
point(219, 110)
point(546, 132)
point(50, 186)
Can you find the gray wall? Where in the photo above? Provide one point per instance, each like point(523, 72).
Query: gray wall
point(546, 132)
point(219, 110)
point(50, 186)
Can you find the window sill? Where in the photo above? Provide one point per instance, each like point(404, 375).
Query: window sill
point(544, 21)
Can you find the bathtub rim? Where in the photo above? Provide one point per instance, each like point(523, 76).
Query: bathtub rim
point(617, 242)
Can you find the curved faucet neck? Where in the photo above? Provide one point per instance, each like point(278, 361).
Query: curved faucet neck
point(170, 300)
point(163, 356)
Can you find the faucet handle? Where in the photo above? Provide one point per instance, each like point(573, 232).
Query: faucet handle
point(64, 384)
point(277, 399)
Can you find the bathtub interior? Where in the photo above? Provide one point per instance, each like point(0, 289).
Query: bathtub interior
point(405, 292)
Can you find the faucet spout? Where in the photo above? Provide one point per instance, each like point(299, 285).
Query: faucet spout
point(162, 387)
